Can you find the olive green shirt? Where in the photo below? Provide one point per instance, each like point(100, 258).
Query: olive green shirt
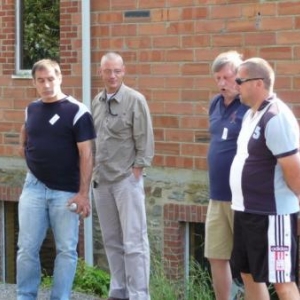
point(124, 134)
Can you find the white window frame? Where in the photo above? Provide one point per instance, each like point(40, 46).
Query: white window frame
point(18, 36)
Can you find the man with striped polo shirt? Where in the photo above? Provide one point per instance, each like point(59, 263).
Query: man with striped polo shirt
point(264, 178)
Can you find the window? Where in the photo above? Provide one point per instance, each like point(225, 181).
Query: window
point(37, 32)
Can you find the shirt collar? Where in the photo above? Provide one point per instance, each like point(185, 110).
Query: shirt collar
point(117, 96)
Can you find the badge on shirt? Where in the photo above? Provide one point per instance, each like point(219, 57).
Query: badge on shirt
point(54, 119)
point(225, 133)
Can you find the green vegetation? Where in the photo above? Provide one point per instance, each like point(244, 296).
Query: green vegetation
point(197, 287)
point(88, 280)
point(41, 29)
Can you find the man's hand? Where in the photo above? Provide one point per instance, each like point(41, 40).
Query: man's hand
point(83, 205)
point(137, 172)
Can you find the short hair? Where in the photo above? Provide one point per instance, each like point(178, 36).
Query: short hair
point(232, 58)
point(44, 64)
point(111, 56)
point(257, 67)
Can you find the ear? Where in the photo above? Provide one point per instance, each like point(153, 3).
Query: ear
point(260, 83)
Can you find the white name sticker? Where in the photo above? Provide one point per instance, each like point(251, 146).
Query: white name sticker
point(225, 133)
point(54, 119)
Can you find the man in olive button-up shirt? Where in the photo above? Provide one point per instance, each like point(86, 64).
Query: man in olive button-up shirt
point(123, 147)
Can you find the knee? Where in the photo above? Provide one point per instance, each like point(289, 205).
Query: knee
point(284, 290)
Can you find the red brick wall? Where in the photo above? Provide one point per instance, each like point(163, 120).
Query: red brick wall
point(169, 54)
point(168, 57)
point(175, 218)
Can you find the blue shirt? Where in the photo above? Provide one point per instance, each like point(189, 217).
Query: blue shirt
point(225, 125)
point(53, 131)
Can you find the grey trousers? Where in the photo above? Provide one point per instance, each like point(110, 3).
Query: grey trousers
point(121, 210)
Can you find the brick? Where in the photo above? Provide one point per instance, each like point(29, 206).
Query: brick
point(136, 43)
point(124, 4)
point(198, 41)
point(261, 38)
point(166, 95)
point(288, 8)
point(262, 9)
point(180, 28)
point(113, 17)
point(167, 148)
point(181, 55)
point(288, 38)
point(190, 149)
point(195, 13)
point(181, 109)
point(287, 68)
point(152, 29)
point(278, 23)
point(278, 53)
point(175, 135)
point(166, 121)
point(195, 69)
point(159, 134)
point(166, 14)
point(166, 41)
point(225, 12)
point(222, 40)
point(209, 26)
point(169, 69)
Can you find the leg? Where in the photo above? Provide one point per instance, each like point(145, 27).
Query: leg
point(254, 290)
point(221, 274)
point(282, 236)
point(33, 225)
point(65, 226)
point(218, 246)
point(130, 199)
point(287, 291)
point(113, 239)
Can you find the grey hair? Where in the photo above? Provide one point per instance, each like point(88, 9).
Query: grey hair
point(111, 56)
point(231, 58)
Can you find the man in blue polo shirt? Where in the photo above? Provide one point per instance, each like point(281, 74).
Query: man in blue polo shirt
point(225, 118)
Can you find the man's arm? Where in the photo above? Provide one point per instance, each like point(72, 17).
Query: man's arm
point(291, 171)
point(22, 141)
point(143, 135)
point(86, 167)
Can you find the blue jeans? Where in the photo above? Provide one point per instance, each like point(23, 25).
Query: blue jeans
point(39, 209)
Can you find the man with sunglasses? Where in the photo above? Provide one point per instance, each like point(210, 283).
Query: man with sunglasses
point(124, 147)
point(264, 179)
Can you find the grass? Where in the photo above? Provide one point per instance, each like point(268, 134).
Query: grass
point(88, 280)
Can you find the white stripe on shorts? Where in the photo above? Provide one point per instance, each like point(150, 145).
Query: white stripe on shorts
point(279, 237)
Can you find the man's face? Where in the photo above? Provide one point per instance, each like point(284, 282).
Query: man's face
point(247, 90)
point(225, 80)
point(48, 84)
point(112, 73)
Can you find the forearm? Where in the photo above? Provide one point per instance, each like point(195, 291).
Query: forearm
point(86, 167)
point(22, 141)
point(291, 172)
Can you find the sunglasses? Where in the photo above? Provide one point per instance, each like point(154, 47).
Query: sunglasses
point(240, 81)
